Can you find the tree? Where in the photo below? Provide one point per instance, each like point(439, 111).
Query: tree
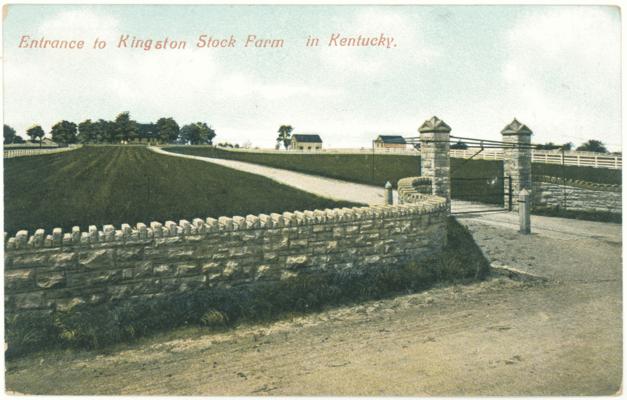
point(547, 146)
point(64, 132)
point(167, 130)
point(105, 131)
point(568, 146)
point(459, 145)
point(285, 133)
point(125, 128)
point(18, 139)
point(147, 131)
point(9, 134)
point(35, 132)
point(87, 131)
point(197, 133)
point(593, 145)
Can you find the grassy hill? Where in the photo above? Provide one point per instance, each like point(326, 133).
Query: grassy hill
point(361, 168)
point(99, 185)
point(364, 168)
point(472, 179)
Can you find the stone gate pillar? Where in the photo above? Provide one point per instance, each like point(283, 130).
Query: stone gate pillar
point(435, 162)
point(517, 160)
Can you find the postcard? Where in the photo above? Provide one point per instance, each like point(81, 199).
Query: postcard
point(306, 200)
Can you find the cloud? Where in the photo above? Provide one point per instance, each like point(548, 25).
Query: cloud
point(557, 70)
point(410, 47)
point(82, 23)
point(44, 86)
point(562, 73)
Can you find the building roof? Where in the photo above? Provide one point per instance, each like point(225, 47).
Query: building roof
point(307, 138)
point(396, 139)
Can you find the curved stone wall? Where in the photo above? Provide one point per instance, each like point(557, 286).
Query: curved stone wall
point(58, 270)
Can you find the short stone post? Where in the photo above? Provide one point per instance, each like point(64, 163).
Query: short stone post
point(435, 161)
point(517, 159)
point(524, 211)
point(388, 195)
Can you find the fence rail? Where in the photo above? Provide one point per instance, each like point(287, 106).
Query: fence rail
point(581, 159)
point(12, 153)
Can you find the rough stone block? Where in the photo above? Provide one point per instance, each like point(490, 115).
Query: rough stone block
point(169, 252)
point(162, 269)
point(187, 269)
point(92, 259)
point(171, 227)
point(212, 225)
point(68, 304)
point(296, 261)
point(29, 301)
point(93, 278)
point(50, 279)
point(35, 259)
point(19, 280)
point(230, 268)
point(239, 223)
point(169, 240)
point(129, 253)
point(186, 226)
point(21, 239)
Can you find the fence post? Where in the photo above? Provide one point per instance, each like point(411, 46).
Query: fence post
point(524, 212)
point(435, 161)
point(389, 199)
point(517, 153)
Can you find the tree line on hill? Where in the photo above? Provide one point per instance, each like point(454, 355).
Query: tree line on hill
point(121, 130)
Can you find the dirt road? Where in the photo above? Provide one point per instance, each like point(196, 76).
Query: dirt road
point(496, 338)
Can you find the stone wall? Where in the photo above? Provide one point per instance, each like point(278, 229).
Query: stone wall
point(412, 189)
point(576, 195)
point(60, 270)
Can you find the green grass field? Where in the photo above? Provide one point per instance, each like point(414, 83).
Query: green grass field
point(471, 179)
point(99, 185)
point(350, 167)
point(474, 175)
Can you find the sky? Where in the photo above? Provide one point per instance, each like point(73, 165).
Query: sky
point(554, 68)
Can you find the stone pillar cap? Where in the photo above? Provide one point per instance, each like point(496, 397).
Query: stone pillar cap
point(434, 125)
point(516, 128)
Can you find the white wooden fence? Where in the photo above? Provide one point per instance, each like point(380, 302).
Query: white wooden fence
point(11, 153)
point(578, 158)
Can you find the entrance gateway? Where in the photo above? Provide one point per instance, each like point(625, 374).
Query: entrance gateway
point(490, 187)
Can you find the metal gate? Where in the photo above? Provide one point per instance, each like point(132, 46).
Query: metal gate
point(479, 195)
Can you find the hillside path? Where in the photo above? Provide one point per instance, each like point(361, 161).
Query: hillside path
point(326, 187)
